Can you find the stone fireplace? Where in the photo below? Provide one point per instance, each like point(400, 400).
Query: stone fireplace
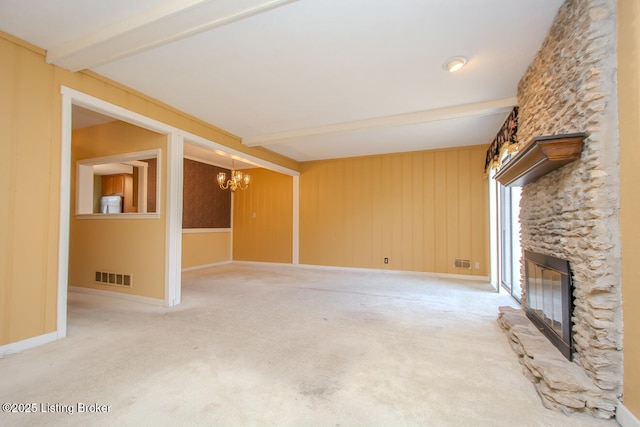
point(572, 213)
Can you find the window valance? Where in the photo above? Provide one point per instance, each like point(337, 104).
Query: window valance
point(506, 141)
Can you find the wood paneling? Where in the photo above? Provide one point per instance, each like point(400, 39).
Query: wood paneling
point(30, 125)
point(25, 125)
point(199, 249)
point(128, 246)
point(629, 123)
point(421, 210)
point(263, 218)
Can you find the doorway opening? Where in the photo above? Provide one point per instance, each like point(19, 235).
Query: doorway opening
point(169, 207)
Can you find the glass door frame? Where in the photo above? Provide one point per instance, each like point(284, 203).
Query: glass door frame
point(509, 251)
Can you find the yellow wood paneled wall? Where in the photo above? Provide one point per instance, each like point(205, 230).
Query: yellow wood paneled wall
point(629, 122)
point(263, 218)
point(200, 249)
point(421, 210)
point(127, 246)
point(30, 138)
point(28, 189)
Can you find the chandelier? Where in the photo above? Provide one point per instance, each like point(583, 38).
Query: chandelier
point(238, 180)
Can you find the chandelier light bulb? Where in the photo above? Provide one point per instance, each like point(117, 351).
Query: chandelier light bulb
point(238, 180)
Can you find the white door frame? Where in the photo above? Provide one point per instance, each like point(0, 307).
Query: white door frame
point(173, 204)
point(175, 147)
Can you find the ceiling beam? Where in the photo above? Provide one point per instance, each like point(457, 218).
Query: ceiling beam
point(170, 21)
point(466, 110)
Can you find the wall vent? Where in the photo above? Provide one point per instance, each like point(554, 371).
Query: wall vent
point(462, 263)
point(113, 279)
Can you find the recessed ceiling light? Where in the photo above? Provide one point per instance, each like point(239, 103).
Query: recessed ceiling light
point(454, 64)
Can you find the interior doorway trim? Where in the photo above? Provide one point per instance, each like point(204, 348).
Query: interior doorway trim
point(192, 139)
point(175, 147)
point(173, 242)
point(72, 97)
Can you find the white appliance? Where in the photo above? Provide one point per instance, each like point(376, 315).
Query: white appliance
point(110, 204)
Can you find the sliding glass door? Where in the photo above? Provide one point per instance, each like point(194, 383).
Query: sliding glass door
point(510, 252)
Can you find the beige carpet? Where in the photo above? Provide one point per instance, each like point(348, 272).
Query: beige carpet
point(255, 345)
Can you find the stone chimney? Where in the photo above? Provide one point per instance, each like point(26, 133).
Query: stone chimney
point(572, 213)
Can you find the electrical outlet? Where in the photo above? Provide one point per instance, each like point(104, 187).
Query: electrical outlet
point(477, 265)
point(386, 260)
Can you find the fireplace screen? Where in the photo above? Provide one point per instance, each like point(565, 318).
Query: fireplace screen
point(549, 298)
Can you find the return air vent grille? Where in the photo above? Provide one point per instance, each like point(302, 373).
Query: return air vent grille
point(114, 279)
point(462, 263)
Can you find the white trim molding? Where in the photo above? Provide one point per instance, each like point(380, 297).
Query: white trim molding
point(205, 230)
point(449, 276)
point(85, 173)
point(223, 150)
point(65, 214)
point(295, 244)
point(408, 272)
point(173, 245)
point(175, 148)
point(133, 215)
point(20, 346)
point(117, 295)
point(98, 105)
point(625, 417)
point(200, 267)
point(71, 97)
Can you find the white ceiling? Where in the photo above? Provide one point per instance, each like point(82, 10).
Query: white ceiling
point(309, 79)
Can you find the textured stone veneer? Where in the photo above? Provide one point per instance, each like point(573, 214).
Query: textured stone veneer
point(572, 213)
point(561, 384)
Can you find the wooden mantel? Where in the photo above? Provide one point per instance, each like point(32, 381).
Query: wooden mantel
point(542, 155)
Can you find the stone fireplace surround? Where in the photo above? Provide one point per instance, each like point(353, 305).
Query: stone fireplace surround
point(561, 384)
point(572, 213)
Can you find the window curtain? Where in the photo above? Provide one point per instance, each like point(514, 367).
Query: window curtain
point(506, 141)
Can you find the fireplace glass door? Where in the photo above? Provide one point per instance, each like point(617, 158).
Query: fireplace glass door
point(545, 289)
point(549, 302)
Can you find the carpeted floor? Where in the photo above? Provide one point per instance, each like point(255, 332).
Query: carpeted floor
point(260, 345)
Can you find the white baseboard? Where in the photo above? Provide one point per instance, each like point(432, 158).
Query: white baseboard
point(279, 264)
point(20, 346)
point(406, 272)
point(199, 267)
point(625, 417)
point(117, 295)
point(374, 270)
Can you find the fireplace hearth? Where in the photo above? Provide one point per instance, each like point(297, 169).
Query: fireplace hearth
point(549, 298)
